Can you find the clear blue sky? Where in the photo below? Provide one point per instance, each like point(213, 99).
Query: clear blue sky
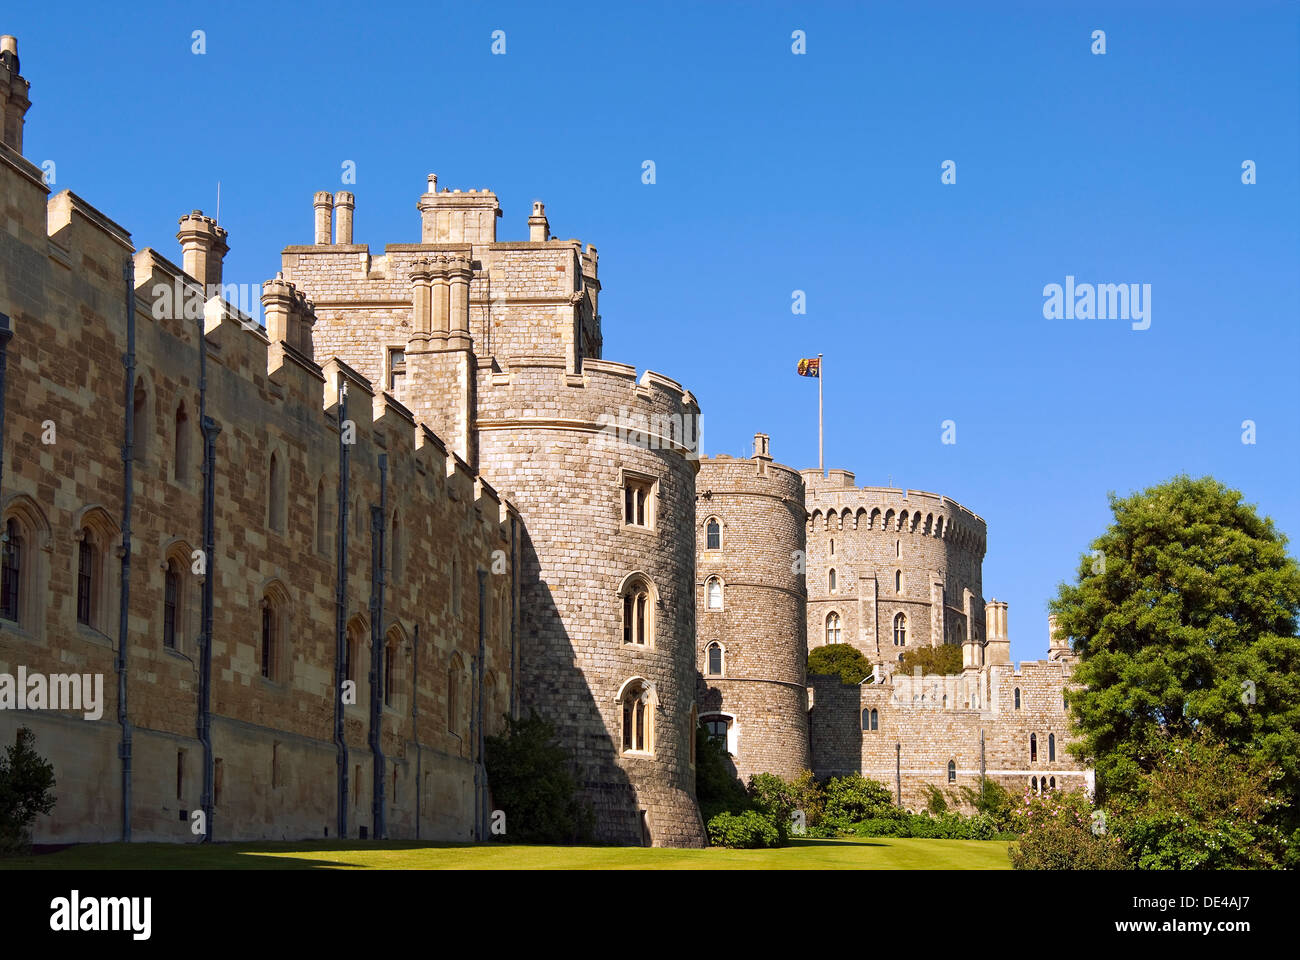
point(778, 172)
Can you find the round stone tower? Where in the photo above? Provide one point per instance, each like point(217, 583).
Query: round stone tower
point(601, 467)
point(889, 569)
point(752, 649)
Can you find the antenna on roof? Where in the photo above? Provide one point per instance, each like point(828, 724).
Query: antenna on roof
point(218, 217)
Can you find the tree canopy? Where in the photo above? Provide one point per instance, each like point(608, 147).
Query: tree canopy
point(1184, 618)
point(841, 658)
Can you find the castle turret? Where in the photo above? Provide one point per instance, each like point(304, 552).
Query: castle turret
point(1058, 644)
point(455, 217)
point(753, 647)
point(203, 250)
point(890, 569)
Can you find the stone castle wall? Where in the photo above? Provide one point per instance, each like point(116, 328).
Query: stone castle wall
point(275, 761)
point(522, 394)
point(970, 720)
point(760, 691)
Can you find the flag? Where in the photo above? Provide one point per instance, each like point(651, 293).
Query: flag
point(810, 368)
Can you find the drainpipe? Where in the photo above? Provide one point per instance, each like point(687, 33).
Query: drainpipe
point(5, 336)
point(128, 459)
point(981, 763)
point(210, 430)
point(480, 772)
point(898, 771)
point(415, 706)
point(340, 614)
point(377, 514)
point(514, 616)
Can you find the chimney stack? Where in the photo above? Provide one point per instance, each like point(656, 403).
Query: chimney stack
point(997, 646)
point(13, 95)
point(344, 204)
point(539, 230)
point(762, 446)
point(203, 250)
point(324, 206)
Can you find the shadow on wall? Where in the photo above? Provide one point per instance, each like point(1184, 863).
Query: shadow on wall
point(709, 701)
point(835, 724)
point(558, 691)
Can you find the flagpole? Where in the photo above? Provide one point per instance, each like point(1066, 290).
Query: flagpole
point(821, 372)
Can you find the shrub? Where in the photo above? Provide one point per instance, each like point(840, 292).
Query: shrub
point(26, 790)
point(716, 788)
point(993, 801)
point(530, 779)
point(775, 799)
point(841, 658)
point(809, 798)
point(747, 829)
point(1202, 806)
point(1057, 833)
point(935, 802)
point(851, 799)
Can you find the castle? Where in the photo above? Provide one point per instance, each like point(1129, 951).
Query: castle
point(315, 564)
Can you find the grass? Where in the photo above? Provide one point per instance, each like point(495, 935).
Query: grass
point(885, 853)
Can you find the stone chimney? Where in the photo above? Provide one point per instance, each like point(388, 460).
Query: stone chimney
point(539, 230)
point(997, 647)
point(203, 250)
point(344, 204)
point(13, 95)
point(323, 203)
point(455, 217)
point(1058, 645)
point(762, 446)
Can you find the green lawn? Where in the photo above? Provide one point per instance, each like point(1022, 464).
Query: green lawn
point(856, 854)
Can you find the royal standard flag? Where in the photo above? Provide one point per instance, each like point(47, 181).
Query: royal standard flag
point(810, 368)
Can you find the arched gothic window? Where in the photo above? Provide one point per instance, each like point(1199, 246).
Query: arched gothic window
point(638, 611)
point(1033, 747)
point(713, 535)
point(900, 630)
point(713, 592)
point(833, 628)
point(638, 718)
point(715, 659)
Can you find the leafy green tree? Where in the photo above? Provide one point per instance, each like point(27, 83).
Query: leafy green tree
point(943, 660)
point(841, 658)
point(26, 791)
point(1184, 619)
point(529, 775)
